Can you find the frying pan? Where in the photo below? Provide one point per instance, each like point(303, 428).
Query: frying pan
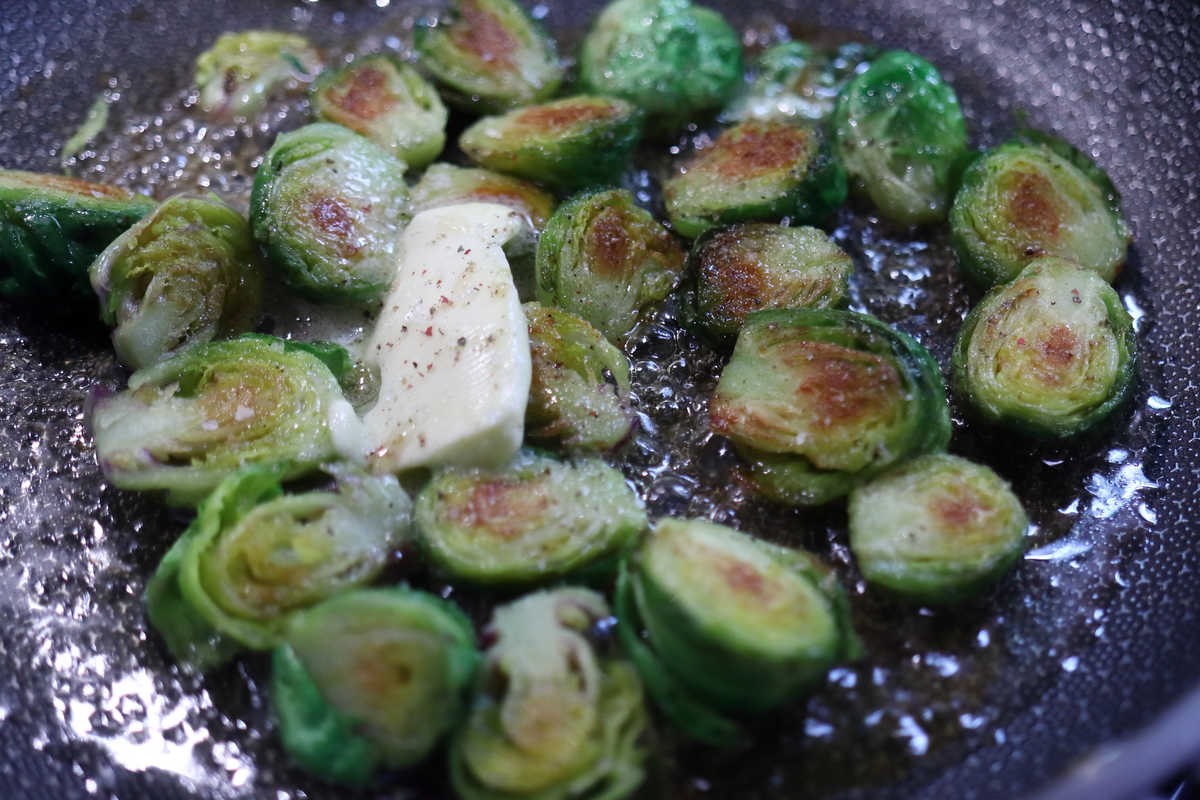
point(1078, 678)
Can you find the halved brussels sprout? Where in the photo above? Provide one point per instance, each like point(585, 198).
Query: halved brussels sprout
point(902, 138)
point(1052, 354)
point(579, 395)
point(387, 101)
point(535, 519)
point(607, 260)
point(796, 81)
point(488, 56)
point(1022, 201)
point(448, 185)
point(552, 719)
point(187, 422)
point(672, 59)
point(187, 273)
point(329, 205)
point(570, 143)
point(817, 401)
point(53, 227)
point(745, 268)
point(756, 170)
point(238, 73)
point(937, 529)
point(254, 555)
point(741, 625)
point(371, 678)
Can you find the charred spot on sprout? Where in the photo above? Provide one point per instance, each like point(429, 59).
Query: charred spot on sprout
point(672, 59)
point(387, 101)
point(607, 260)
point(1051, 354)
point(817, 401)
point(53, 227)
point(1022, 201)
point(756, 170)
point(488, 56)
point(536, 519)
point(936, 529)
point(570, 143)
point(328, 206)
point(740, 269)
point(901, 136)
point(369, 679)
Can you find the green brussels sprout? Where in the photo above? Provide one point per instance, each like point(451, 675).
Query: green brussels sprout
point(756, 170)
point(488, 56)
point(185, 423)
point(329, 206)
point(447, 185)
point(387, 101)
point(552, 719)
point(254, 555)
point(901, 137)
point(817, 401)
point(607, 260)
point(739, 625)
point(570, 143)
point(672, 59)
point(52, 227)
point(579, 394)
point(744, 268)
point(187, 273)
point(938, 528)
point(1051, 354)
point(239, 72)
point(796, 81)
point(1022, 201)
point(371, 678)
point(534, 519)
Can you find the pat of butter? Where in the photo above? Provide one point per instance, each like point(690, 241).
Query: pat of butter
point(451, 344)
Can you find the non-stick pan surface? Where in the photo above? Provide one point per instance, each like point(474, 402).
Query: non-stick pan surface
point(1093, 639)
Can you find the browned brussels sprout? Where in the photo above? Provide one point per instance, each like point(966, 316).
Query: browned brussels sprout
point(188, 273)
point(756, 170)
point(387, 101)
point(488, 56)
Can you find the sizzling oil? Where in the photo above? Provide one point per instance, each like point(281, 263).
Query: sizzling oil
point(934, 687)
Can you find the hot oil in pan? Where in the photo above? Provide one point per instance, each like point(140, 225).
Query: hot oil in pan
point(934, 688)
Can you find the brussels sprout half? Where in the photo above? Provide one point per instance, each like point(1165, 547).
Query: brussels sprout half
point(745, 268)
point(329, 205)
point(756, 170)
point(672, 59)
point(53, 227)
point(938, 528)
point(552, 719)
point(607, 260)
point(570, 143)
point(488, 56)
point(448, 185)
point(254, 555)
point(535, 519)
point(579, 395)
point(387, 101)
point(1021, 201)
point(818, 400)
point(902, 138)
point(239, 72)
point(187, 273)
point(185, 423)
point(742, 625)
point(371, 678)
point(797, 81)
point(1051, 354)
